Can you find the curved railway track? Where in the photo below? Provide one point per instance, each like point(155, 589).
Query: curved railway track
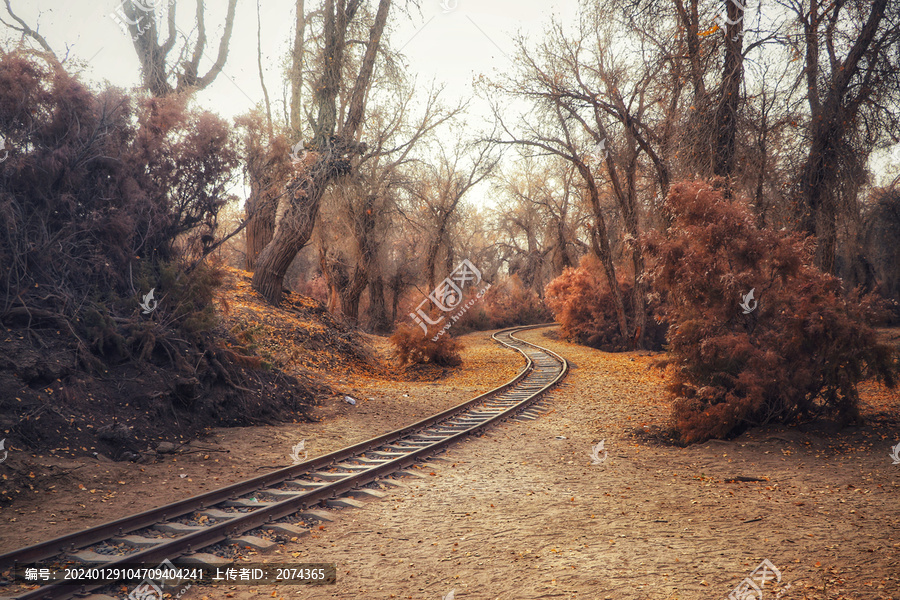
point(235, 510)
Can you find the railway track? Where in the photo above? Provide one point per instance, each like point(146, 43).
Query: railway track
point(263, 503)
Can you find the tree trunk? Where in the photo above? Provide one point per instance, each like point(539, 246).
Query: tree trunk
point(396, 291)
point(626, 200)
point(155, 74)
point(732, 75)
point(378, 317)
point(351, 295)
point(363, 222)
point(261, 209)
point(267, 170)
point(296, 115)
point(431, 263)
point(307, 188)
point(818, 181)
point(335, 278)
point(304, 192)
point(600, 245)
point(638, 292)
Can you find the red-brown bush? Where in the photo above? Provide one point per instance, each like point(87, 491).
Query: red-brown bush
point(582, 304)
point(799, 354)
point(414, 346)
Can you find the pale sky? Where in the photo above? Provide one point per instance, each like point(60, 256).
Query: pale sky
point(450, 42)
point(450, 46)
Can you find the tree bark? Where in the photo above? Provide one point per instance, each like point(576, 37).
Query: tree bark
point(600, 245)
point(828, 127)
point(332, 152)
point(732, 75)
point(296, 115)
point(304, 195)
point(378, 317)
point(364, 227)
point(261, 211)
point(155, 74)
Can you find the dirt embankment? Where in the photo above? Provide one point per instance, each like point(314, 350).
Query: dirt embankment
point(259, 365)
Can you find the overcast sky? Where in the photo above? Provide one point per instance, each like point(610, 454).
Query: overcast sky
point(450, 42)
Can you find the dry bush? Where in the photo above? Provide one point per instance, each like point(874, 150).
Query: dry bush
point(581, 302)
point(882, 241)
point(414, 347)
point(511, 303)
point(799, 354)
point(103, 197)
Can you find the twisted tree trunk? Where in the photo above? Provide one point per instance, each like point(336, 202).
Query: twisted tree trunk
point(330, 156)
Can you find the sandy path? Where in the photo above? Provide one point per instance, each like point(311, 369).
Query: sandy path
point(519, 514)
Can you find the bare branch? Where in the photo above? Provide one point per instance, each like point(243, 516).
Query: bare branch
point(26, 30)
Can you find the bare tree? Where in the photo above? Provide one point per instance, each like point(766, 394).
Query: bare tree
point(846, 92)
point(729, 92)
point(364, 203)
point(537, 221)
point(267, 166)
point(163, 72)
point(296, 73)
point(331, 150)
point(159, 68)
point(27, 32)
point(576, 95)
point(439, 191)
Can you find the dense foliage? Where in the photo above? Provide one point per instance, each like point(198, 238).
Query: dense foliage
point(103, 197)
point(583, 306)
point(413, 346)
point(798, 352)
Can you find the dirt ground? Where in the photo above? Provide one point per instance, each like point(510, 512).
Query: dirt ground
point(72, 494)
point(521, 513)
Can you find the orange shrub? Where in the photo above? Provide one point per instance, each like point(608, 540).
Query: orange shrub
point(414, 346)
point(582, 304)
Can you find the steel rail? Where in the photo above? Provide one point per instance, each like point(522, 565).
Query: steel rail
point(545, 378)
